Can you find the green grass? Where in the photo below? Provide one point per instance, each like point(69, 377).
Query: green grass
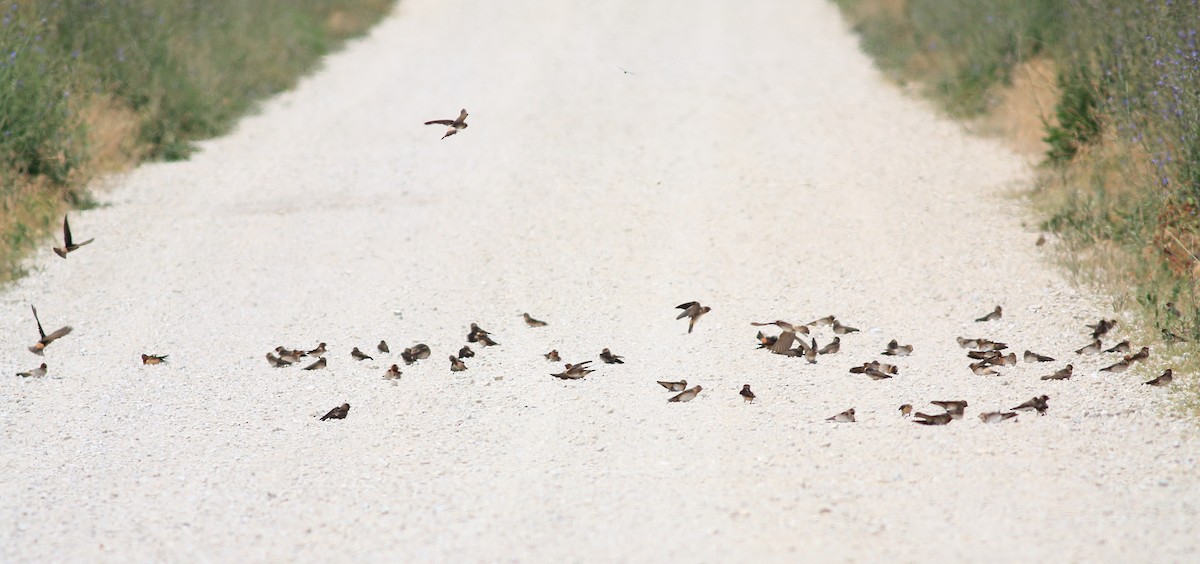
point(180, 70)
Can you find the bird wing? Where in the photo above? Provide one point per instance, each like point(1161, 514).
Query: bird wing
point(440, 122)
point(784, 343)
point(462, 117)
point(66, 232)
point(41, 333)
point(60, 333)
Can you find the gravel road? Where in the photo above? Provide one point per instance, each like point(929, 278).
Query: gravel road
point(622, 157)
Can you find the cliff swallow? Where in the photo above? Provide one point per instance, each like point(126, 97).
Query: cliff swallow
point(967, 343)
point(35, 373)
point(876, 374)
point(359, 355)
point(392, 373)
point(833, 347)
point(996, 416)
point(274, 361)
point(45, 339)
point(810, 352)
point(574, 371)
point(552, 356)
point(839, 329)
point(382, 347)
point(287, 356)
point(610, 358)
point(338, 412)
point(415, 353)
point(827, 320)
point(1140, 355)
point(951, 405)
point(1031, 356)
point(68, 244)
point(154, 358)
point(843, 417)
point(686, 395)
point(765, 341)
point(1038, 403)
point(981, 344)
point(1162, 380)
point(982, 368)
point(455, 125)
point(533, 322)
point(905, 410)
point(1121, 347)
point(674, 386)
point(693, 310)
point(939, 419)
point(875, 364)
point(319, 364)
point(894, 349)
point(781, 324)
point(1063, 374)
point(465, 352)
point(1117, 367)
point(783, 343)
point(486, 340)
point(457, 365)
point(320, 350)
point(984, 355)
point(992, 316)
point(1090, 348)
point(746, 394)
point(1101, 327)
point(475, 333)
point(1009, 359)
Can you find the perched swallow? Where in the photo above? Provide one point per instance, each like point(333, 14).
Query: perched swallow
point(457, 365)
point(1121, 347)
point(894, 349)
point(392, 373)
point(274, 361)
point(939, 419)
point(1041, 240)
point(810, 351)
point(465, 352)
point(474, 334)
point(843, 417)
point(415, 353)
point(1117, 367)
point(1009, 359)
point(338, 412)
point(154, 358)
point(876, 374)
point(831, 348)
point(1162, 380)
point(45, 340)
point(319, 351)
point(686, 395)
point(1140, 355)
point(781, 324)
point(35, 373)
point(319, 364)
point(1090, 348)
point(1102, 327)
point(1036, 404)
point(359, 355)
point(746, 394)
point(981, 344)
point(875, 364)
point(951, 405)
point(905, 410)
point(1063, 374)
point(968, 343)
point(996, 416)
point(839, 329)
point(994, 315)
point(693, 310)
point(552, 356)
point(533, 322)
point(1031, 356)
point(287, 356)
point(982, 368)
point(68, 244)
point(827, 320)
point(674, 386)
point(382, 347)
point(765, 341)
point(984, 355)
point(610, 358)
point(574, 371)
point(455, 125)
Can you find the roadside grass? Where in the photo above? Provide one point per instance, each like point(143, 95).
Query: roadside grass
point(93, 86)
point(1120, 144)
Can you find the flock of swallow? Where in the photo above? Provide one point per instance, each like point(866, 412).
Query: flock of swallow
point(986, 354)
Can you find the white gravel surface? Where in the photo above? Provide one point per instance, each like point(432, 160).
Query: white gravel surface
point(750, 159)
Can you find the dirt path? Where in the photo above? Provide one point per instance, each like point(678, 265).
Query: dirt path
point(750, 159)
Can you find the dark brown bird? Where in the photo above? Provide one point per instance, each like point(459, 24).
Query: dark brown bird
point(996, 416)
point(382, 347)
point(951, 405)
point(984, 355)
point(765, 341)
point(68, 244)
point(994, 315)
point(1090, 348)
point(1121, 347)
point(475, 333)
point(359, 355)
point(905, 410)
point(831, 348)
point(982, 368)
point(1063, 374)
point(939, 419)
point(1117, 367)
point(686, 395)
point(843, 417)
point(839, 329)
point(338, 412)
point(465, 352)
point(457, 365)
point(876, 374)
point(674, 386)
point(319, 364)
point(1041, 240)
point(746, 394)
point(552, 356)
point(35, 373)
point(1140, 355)
point(1170, 337)
point(693, 310)
point(320, 350)
point(875, 364)
point(415, 353)
point(1162, 380)
point(1036, 404)
point(1009, 359)
point(783, 343)
point(1031, 356)
point(574, 371)
point(455, 125)
point(288, 356)
point(1102, 327)
point(533, 322)
point(392, 373)
point(894, 349)
point(610, 358)
point(274, 361)
point(45, 339)
point(154, 358)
